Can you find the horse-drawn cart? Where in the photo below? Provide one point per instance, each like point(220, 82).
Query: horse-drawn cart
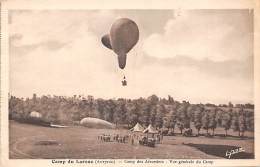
point(147, 141)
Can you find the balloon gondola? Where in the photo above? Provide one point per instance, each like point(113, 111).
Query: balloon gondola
point(124, 82)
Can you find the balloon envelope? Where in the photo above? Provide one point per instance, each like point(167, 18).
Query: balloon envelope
point(121, 60)
point(124, 35)
point(96, 123)
point(106, 41)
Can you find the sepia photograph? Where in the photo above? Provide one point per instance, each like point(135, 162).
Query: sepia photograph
point(131, 84)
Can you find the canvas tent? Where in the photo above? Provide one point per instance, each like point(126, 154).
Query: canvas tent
point(35, 114)
point(37, 119)
point(137, 128)
point(150, 129)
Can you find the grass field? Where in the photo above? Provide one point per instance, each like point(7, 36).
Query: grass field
point(80, 142)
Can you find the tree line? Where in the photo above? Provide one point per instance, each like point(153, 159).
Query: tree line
point(164, 113)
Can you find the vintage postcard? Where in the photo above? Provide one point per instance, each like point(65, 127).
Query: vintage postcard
point(130, 84)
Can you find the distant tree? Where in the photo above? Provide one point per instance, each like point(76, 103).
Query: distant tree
point(235, 123)
point(109, 110)
point(153, 99)
point(230, 105)
point(249, 120)
point(222, 105)
point(190, 113)
point(249, 105)
point(51, 117)
point(198, 119)
point(210, 105)
point(145, 112)
point(132, 116)
point(101, 108)
point(170, 100)
point(163, 101)
point(239, 105)
point(160, 111)
point(166, 122)
point(212, 121)
point(91, 106)
point(226, 120)
point(180, 125)
point(242, 124)
point(205, 121)
point(153, 112)
point(34, 98)
point(16, 108)
point(120, 112)
point(219, 115)
point(159, 120)
point(81, 109)
point(170, 118)
point(183, 121)
point(173, 121)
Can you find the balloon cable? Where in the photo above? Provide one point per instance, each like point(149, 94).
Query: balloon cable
point(123, 75)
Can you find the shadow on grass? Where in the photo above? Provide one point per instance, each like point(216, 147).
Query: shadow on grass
point(218, 136)
point(220, 151)
point(233, 137)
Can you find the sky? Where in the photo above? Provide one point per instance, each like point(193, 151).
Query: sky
point(195, 55)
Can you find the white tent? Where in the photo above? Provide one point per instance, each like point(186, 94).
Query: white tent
point(35, 114)
point(150, 129)
point(137, 128)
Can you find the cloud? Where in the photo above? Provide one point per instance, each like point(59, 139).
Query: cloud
point(59, 52)
point(196, 80)
point(202, 55)
point(217, 36)
point(225, 69)
point(190, 84)
point(54, 55)
point(34, 26)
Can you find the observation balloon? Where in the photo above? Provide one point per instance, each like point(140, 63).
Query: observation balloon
point(123, 36)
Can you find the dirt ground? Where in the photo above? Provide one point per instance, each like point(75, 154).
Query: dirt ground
point(81, 143)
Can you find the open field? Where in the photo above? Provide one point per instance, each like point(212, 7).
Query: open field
point(80, 142)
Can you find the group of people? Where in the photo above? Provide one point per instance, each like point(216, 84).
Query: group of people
point(104, 138)
point(117, 138)
point(132, 138)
